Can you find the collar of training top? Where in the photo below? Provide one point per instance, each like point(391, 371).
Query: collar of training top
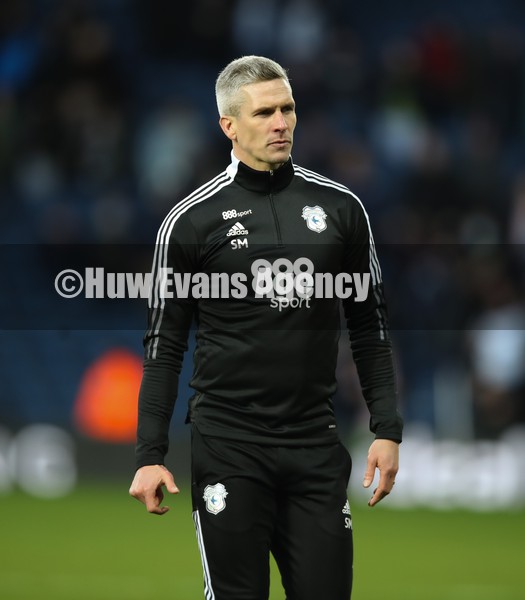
point(264, 182)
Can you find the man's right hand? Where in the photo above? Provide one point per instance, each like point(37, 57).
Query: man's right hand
point(147, 487)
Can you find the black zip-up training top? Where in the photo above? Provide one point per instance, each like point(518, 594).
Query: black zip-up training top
point(264, 369)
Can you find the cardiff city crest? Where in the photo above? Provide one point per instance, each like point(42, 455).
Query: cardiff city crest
point(215, 498)
point(315, 218)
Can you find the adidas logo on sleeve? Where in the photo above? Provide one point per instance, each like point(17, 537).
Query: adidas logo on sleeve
point(237, 229)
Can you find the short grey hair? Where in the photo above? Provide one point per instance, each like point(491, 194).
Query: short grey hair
point(240, 72)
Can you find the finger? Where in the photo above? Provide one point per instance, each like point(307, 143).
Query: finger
point(168, 481)
point(156, 509)
point(152, 502)
point(369, 473)
point(379, 494)
point(170, 484)
point(386, 483)
point(386, 479)
point(160, 510)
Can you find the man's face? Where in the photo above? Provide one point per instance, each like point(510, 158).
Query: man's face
point(262, 133)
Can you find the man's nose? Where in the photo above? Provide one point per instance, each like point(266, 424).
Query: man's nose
point(279, 121)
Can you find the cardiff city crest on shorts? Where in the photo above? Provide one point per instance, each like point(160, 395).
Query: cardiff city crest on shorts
point(315, 218)
point(215, 498)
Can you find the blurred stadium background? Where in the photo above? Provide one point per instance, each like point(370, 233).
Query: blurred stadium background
point(107, 118)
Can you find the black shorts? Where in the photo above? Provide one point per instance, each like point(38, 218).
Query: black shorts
point(250, 500)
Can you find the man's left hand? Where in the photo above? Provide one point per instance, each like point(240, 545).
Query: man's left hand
point(382, 455)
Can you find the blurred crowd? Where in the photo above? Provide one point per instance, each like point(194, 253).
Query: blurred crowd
point(108, 118)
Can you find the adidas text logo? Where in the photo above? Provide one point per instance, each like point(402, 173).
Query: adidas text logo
point(237, 229)
point(346, 508)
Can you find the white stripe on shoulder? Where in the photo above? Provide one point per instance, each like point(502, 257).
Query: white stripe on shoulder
point(193, 198)
point(320, 179)
point(160, 258)
point(375, 268)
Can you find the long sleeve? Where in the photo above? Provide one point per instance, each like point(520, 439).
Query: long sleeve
point(369, 331)
point(166, 340)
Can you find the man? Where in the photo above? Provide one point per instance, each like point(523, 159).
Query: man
point(269, 473)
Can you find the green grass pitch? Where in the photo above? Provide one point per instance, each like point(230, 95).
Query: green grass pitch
point(100, 544)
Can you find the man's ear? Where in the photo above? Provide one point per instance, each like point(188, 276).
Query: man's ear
point(228, 126)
